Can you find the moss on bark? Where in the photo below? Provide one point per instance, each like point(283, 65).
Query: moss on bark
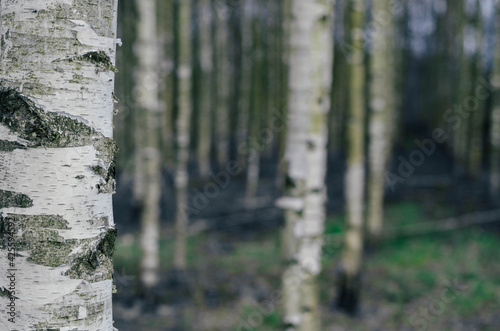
point(51, 130)
point(39, 236)
point(13, 199)
point(95, 263)
point(9, 146)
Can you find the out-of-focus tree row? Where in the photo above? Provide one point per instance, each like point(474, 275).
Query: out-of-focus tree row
point(209, 86)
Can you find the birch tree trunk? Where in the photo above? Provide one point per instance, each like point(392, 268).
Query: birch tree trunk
point(57, 164)
point(475, 143)
point(205, 116)
point(165, 42)
point(235, 36)
point(348, 291)
point(468, 73)
point(256, 101)
point(182, 124)
point(382, 113)
point(460, 134)
point(244, 115)
point(495, 119)
point(148, 105)
point(284, 17)
point(221, 25)
point(309, 86)
point(339, 86)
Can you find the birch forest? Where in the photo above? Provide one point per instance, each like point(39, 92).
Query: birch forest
point(240, 165)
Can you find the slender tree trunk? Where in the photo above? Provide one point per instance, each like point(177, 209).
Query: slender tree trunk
point(336, 120)
point(148, 105)
point(348, 292)
point(165, 33)
point(57, 164)
point(246, 83)
point(495, 120)
point(139, 188)
point(223, 83)
point(214, 82)
point(468, 72)
point(140, 119)
point(282, 111)
point(124, 121)
point(305, 157)
point(235, 76)
point(266, 135)
point(256, 103)
point(475, 150)
point(196, 82)
point(205, 118)
point(182, 123)
point(382, 111)
point(460, 134)
point(338, 101)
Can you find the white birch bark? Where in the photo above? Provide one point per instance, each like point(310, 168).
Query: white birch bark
point(382, 110)
point(305, 157)
point(148, 105)
point(57, 162)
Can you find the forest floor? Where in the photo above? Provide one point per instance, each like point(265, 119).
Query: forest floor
point(445, 281)
point(437, 282)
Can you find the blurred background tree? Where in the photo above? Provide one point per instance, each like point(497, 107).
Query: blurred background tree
point(257, 131)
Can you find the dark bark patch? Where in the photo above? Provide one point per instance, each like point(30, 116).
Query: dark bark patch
point(13, 199)
point(39, 236)
point(96, 263)
point(100, 59)
point(39, 128)
point(9, 146)
point(51, 130)
point(5, 293)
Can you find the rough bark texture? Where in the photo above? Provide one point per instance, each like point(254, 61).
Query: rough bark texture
point(147, 101)
point(57, 163)
point(355, 177)
point(305, 157)
point(381, 116)
point(182, 124)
